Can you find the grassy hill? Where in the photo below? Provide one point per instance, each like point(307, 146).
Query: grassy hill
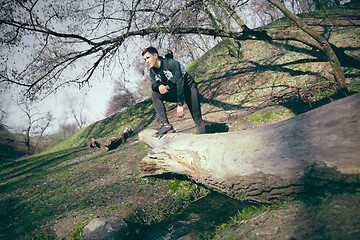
point(55, 193)
point(11, 145)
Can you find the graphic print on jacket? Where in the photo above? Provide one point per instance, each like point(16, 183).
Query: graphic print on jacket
point(169, 76)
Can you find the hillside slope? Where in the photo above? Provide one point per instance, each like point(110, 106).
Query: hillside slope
point(276, 80)
point(12, 146)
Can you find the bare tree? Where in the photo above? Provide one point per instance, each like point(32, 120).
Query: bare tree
point(74, 41)
point(143, 89)
point(77, 107)
point(221, 19)
point(4, 104)
point(41, 127)
point(67, 129)
point(37, 123)
point(325, 45)
point(3, 115)
point(265, 11)
point(120, 101)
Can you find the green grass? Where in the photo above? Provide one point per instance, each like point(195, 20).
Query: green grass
point(81, 183)
point(265, 116)
point(76, 235)
point(226, 230)
point(182, 193)
point(46, 188)
point(137, 116)
point(208, 63)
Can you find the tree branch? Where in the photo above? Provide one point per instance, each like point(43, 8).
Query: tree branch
point(42, 29)
point(105, 42)
point(325, 45)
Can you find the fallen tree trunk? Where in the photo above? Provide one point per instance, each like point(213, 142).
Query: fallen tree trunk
point(293, 156)
point(111, 143)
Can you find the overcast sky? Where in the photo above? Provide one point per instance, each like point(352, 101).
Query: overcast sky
point(96, 95)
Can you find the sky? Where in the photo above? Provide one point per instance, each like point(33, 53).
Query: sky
point(96, 99)
point(97, 95)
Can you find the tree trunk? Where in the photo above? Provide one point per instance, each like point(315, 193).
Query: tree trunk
point(326, 47)
point(111, 143)
point(229, 42)
point(27, 138)
point(293, 156)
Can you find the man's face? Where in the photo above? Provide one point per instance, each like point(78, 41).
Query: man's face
point(150, 59)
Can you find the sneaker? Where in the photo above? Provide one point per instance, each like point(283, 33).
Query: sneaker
point(164, 129)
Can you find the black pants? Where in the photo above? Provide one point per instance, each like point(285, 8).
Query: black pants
point(191, 99)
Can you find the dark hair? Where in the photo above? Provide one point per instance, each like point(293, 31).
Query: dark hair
point(151, 50)
point(169, 54)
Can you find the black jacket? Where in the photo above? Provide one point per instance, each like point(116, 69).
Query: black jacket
point(171, 74)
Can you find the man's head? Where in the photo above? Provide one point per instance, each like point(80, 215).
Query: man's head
point(151, 56)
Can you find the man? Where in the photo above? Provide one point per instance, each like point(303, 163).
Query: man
point(171, 83)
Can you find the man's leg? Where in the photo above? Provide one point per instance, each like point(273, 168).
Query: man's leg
point(159, 106)
point(193, 102)
point(157, 98)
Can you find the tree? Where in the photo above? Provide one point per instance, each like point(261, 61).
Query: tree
point(3, 115)
point(77, 107)
point(220, 19)
point(67, 129)
point(4, 104)
point(41, 127)
point(58, 38)
point(325, 45)
point(120, 101)
point(37, 123)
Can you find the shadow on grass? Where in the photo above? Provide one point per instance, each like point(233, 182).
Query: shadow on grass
point(28, 167)
point(213, 127)
point(299, 106)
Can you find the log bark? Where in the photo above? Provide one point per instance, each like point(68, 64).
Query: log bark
point(309, 150)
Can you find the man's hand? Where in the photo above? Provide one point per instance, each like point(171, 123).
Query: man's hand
point(180, 111)
point(162, 89)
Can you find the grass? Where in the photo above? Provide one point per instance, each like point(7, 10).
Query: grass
point(321, 214)
point(137, 116)
point(81, 184)
point(226, 230)
point(183, 192)
point(261, 117)
point(76, 235)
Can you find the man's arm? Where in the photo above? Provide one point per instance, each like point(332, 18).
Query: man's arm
point(174, 67)
point(154, 84)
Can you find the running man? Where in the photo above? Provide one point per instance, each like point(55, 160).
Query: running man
point(171, 83)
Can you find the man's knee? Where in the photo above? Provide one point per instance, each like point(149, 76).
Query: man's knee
point(155, 95)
